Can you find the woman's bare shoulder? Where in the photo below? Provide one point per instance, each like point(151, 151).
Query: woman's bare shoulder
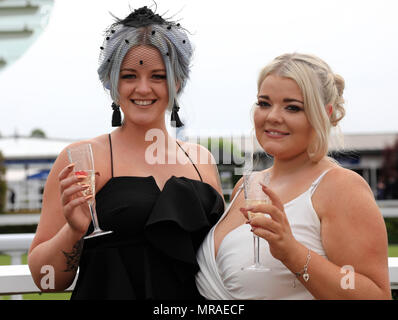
point(236, 187)
point(100, 141)
point(343, 190)
point(199, 155)
point(192, 148)
point(62, 159)
point(341, 180)
point(204, 162)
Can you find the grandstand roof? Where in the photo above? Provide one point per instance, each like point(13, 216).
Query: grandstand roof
point(18, 148)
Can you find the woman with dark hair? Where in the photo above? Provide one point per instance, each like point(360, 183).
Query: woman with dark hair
point(159, 211)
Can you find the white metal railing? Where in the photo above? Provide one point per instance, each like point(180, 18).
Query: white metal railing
point(393, 270)
point(15, 245)
point(388, 208)
point(19, 219)
point(17, 279)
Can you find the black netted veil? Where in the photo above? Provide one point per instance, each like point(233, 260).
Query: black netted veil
point(144, 27)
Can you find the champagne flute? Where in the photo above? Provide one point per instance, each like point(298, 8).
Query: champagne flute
point(254, 195)
point(82, 157)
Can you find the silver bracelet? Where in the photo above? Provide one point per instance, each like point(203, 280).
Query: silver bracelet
point(304, 273)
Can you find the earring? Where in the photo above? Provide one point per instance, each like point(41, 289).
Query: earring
point(175, 119)
point(116, 116)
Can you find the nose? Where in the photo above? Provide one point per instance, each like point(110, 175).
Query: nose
point(275, 114)
point(143, 87)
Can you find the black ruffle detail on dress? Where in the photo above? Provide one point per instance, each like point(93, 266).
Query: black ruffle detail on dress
point(152, 252)
point(177, 226)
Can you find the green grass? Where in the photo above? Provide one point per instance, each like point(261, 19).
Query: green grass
point(42, 296)
point(5, 260)
point(393, 250)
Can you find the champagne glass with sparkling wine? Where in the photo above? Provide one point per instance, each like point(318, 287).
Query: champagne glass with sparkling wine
point(82, 157)
point(254, 195)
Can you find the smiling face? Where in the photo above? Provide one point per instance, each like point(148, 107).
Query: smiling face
point(143, 86)
point(281, 125)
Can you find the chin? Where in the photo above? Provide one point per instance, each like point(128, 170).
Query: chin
point(279, 150)
point(272, 148)
point(144, 121)
point(288, 154)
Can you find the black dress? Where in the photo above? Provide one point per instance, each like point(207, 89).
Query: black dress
point(151, 253)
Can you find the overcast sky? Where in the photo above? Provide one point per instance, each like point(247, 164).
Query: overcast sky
point(54, 85)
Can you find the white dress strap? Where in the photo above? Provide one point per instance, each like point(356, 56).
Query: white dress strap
point(315, 184)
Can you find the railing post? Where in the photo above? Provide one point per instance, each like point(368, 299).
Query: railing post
point(16, 259)
point(15, 245)
point(16, 256)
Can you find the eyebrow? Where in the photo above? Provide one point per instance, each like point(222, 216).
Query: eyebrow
point(134, 70)
point(284, 100)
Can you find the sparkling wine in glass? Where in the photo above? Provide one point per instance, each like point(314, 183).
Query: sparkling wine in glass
point(82, 157)
point(254, 195)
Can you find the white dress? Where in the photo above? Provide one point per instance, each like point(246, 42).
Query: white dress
point(222, 278)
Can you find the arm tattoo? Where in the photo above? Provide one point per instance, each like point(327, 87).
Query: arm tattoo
point(73, 257)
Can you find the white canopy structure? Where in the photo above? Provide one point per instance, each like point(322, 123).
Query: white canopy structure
point(28, 161)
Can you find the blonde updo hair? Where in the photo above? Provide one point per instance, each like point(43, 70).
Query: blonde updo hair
point(319, 87)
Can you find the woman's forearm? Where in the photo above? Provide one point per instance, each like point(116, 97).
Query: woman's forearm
point(58, 258)
point(329, 281)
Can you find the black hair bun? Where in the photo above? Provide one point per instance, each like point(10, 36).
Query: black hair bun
point(142, 17)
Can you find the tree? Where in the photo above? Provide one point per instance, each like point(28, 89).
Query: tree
point(387, 187)
point(37, 133)
point(388, 183)
point(3, 185)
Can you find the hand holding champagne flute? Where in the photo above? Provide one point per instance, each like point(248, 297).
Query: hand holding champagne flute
point(254, 196)
point(82, 158)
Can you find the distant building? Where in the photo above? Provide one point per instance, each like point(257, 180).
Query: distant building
point(28, 162)
point(363, 153)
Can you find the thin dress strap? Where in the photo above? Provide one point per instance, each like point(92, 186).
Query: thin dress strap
point(315, 184)
point(240, 188)
point(191, 161)
point(110, 145)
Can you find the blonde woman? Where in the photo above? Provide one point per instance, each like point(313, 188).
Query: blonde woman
point(326, 238)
